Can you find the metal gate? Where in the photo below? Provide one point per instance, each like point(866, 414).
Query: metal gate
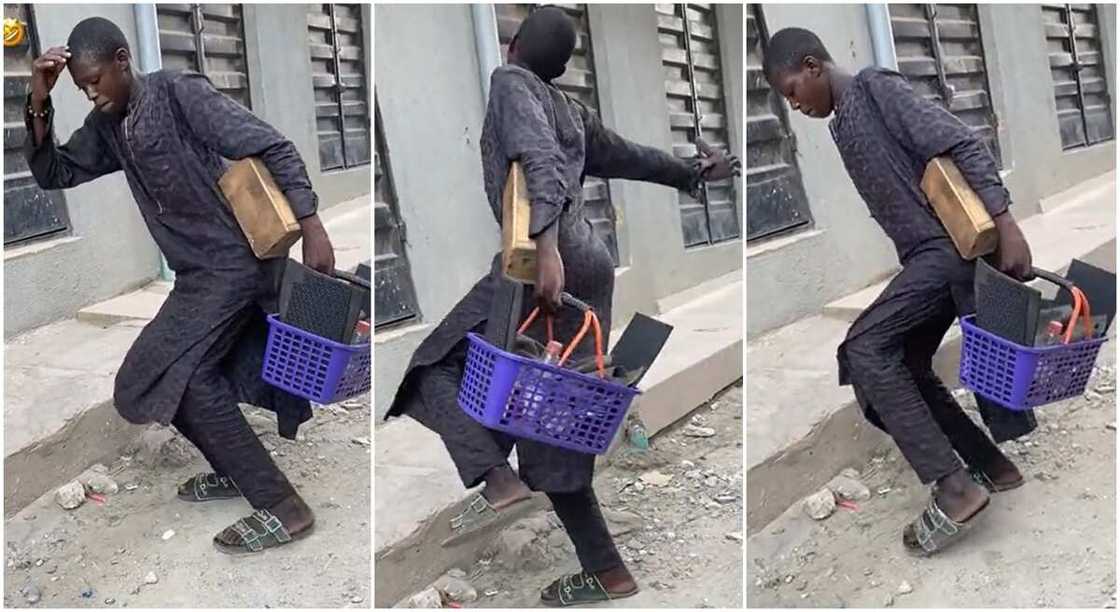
point(940, 50)
point(578, 82)
point(206, 38)
point(338, 72)
point(394, 294)
point(694, 93)
point(1078, 69)
point(29, 212)
point(776, 199)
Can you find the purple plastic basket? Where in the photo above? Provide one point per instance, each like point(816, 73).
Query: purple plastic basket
point(321, 370)
point(541, 402)
point(1023, 377)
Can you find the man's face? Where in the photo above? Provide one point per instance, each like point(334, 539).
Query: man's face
point(807, 90)
point(106, 84)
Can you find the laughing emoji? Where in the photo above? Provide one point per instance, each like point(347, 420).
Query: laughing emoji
point(13, 32)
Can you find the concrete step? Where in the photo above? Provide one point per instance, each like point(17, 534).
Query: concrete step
point(417, 486)
point(1075, 222)
point(59, 416)
point(803, 428)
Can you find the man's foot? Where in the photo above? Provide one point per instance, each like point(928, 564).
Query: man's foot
point(585, 588)
point(1002, 473)
point(504, 488)
point(286, 522)
point(208, 487)
point(959, 497)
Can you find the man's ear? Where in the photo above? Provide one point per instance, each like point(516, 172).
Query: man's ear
point(813, 65)
point(122, 58)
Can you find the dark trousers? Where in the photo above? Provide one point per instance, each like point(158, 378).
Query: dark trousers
point(888, 358)
point(475, 450)
point(211, 419)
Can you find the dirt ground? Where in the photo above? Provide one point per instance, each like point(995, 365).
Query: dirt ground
point(681, 537)
point(101, 555)
point(1050, 543)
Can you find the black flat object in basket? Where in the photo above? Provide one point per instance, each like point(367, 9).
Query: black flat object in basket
point(327, 306)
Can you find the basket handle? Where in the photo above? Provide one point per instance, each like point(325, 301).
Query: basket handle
point(590, 322)
point(1080, 303)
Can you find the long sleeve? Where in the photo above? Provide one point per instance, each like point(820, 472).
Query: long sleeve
point(235, 133)
point(927, 130)
point(83, 158)
point(525, 134)
point(612, 156)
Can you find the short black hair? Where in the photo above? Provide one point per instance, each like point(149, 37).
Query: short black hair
point(788, 48)
point(96, 38)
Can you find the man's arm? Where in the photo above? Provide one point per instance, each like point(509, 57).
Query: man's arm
point(927, 130)
point(235, 133)
point(611, 156)
point(84, 157)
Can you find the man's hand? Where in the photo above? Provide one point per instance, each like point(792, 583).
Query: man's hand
point(318, 254)
point(1013, 255)
point(715, 165)
point(550, 270)
point(44, 74)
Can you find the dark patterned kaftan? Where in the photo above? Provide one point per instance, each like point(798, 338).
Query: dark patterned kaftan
point(558, 142)
point(170, 146)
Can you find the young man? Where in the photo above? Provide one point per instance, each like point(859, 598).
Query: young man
point(201, 355)
point(886, 134)
point(558, 142)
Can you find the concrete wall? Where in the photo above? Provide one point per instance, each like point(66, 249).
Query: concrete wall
point(846, 250)
point(432, 107)
point(109, 250)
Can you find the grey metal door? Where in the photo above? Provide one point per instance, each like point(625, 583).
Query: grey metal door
point(579, 83)
point(940, 50)
point(206, 38)
point(29, 212)
point(1079, 71)
point(394, 294)
point(694, 92)
point(337, 44)
point(776, 199)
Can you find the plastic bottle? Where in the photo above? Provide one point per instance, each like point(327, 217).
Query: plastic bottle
point(552, 353)
point(361, 333)
point(1053, 334)
point(636, 435)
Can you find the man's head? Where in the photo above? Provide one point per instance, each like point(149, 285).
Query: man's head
point(544, 42)
point(797, 66)
point(101, 64)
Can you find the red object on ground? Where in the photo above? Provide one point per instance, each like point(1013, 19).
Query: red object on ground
point(97, 498)
point(848, 505)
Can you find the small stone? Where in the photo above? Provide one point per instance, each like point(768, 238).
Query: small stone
point(97, 480)
point(687, 464)
point(820, 505)
point(131, 486)
point(71, 495)
point(789, 579)
point(110, 601)
point(1111, 426)
point(726, 498)
point(849, 488)
point(655, 478)
point(151, 578)
point(694, 474)
point(904, 588)
point(868, 571)
point(87, 592)
point(167, 535)
point(361, 441)
point(850, 473)
point(31, 593)
point(639, 487)
point(40, 563)
point(491, 592)
point(884, 490)
point(734, 536)
point(357, 599)
point(889, 601)
point(456, 589)
point(695, 431)
point(711, 481)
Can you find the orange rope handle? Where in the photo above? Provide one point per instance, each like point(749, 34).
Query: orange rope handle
point(590, 321)
point(1080, 307)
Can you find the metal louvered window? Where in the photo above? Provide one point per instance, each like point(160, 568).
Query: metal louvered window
point(578, 81)
point(940, 50)
point(337, 46)
point(29, 212)
point(206, 38)
point(394, 294)
point(1079, 69)
point(776, 200)
point(694, 93)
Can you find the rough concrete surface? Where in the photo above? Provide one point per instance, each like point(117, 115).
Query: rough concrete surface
point(1050, 543)
point(107, 555)
point(676, 511)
